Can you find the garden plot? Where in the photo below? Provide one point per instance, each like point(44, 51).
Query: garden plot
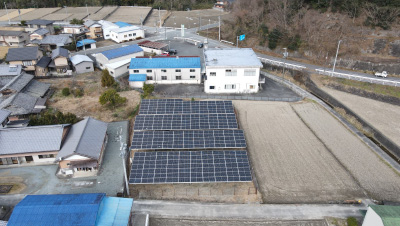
point(14, 13)
point(290, 163)
point(384, 117)
point(191, 19)
point(130, 14)
point(36, 14)
point(379, 180)
point(102, 13)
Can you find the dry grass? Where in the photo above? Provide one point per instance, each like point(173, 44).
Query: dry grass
point(353, 121)
point(129, 14)
point(102, 13)
point(36, 14)
point(15, 14)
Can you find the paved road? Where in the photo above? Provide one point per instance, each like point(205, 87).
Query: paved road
point(244, 211)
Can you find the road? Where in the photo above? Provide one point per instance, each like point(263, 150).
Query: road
point(176, 209)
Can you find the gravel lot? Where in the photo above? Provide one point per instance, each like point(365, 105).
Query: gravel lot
point(291, 164)
point(379, 180)
point(102, 13)
point(202, 222)
point(36, 14)
point(129, 14)
point(384, 117)
point(191, 18)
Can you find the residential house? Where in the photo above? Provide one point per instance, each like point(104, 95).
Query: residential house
point(107, 26)
point(36, 24)
point(13, 38)
point(33, 144)
point(153, 47)
point(74, 29)
point(231, 70)
point(116, 61)
point(72, 210)
point(59, 61)
point(51, 42)
point(25, 56)
point(4, 117)
point(382, 215)
point(94, 29)
point(39, 34)
point(125, 34)
point(42, 67)
point(83, 148)
point(166, 70)
point(82, 64)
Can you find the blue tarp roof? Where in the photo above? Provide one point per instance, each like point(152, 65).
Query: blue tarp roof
point(122, 24)
point(114, 212)
point(123, 51)
point(137, 77)
point(165, 62)
point(87, 42)
point(57, 210)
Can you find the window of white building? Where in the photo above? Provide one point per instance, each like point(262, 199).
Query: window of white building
point(230, 86)
point(230, 72)
point(249, 72)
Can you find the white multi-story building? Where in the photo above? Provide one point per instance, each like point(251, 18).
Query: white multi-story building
point(125, 34)
point(165, 70)
point(231, 71)
point(107, 26)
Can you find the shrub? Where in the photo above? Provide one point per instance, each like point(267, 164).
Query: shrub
point(23, 23)
point(147, 90)
point(351, 221)
point(106, 79)
point(111, 98)
point(53, 118)
point(65, 92)
point(78, 92)
point(274, 38)
point(76, 21)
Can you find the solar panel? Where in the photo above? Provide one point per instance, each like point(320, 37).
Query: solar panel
point(190, 167)
point(178, 106)
point(185, 122)
point(188, 139)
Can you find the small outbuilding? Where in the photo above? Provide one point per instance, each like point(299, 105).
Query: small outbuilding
point(137, 80)
point(82, 64)
point(382, 215)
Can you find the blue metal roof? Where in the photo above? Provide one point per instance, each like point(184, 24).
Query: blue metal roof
point(137, 77)
point(165, 62)
point(114, 212)
point(57, 210)
point(122, 24)
point(123, 51)
point(87, 42)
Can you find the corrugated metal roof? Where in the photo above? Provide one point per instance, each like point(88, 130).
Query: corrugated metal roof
point(114, 212)
point(123, 51)
point(31, 139)
point(57, 210)
point(122, 24)
point(231, 57)
point(85, 138)
point(137, 77)
point(3, 115)
point(86, 41)
point(165, 62)
point(118, 64)
point(77, 59)
point(24, 53)
point(125, 29)
point(390, 215)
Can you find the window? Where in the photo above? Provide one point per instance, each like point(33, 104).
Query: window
point(230, 72)
point(125, 36)
point(164, 70)
point(251, 86)
point(27, 63)
point(46, 156)
point(87, 68)
point(249, 72)
point(127, 67)
point(135, 71)
point(163, 77)
point(149, 77)
point(134, 34)
point(177, 70)
point(107, 35)
point(192, 70)
point(178, 77)
point(212, 87)
point(149, 71)
point(213, 73)
point(101, 65)
point(193, 76)
point(111, 72)
point(230, 86)
point(130, 35)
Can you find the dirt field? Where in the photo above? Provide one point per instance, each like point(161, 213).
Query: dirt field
point(191, 18)
point(379, 180)
point(201, 222)
point(36, 14)
point(15, 14)
point(384, 117)
point(60, 15)
point(154, 18)
point(102, 13)
point(290, 163)
point(129, 14)
point(71, 13)
point(89, 105)
point(4, 12)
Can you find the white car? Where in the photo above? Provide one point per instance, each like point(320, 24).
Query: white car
point(383, 74)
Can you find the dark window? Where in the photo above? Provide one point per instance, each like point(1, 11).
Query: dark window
point(213, 73)
point(178, 70)
point(192, 70)
point(193, 76)
point(88, 68)
point(149, 77)
point(163, 70)
point(163, 77)
point(135, 71)
point(212, 87)
point(149, 71)
point(178, 77)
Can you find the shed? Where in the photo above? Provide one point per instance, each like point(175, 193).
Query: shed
point(86, 42)
point(137, 80)
point(82, 64)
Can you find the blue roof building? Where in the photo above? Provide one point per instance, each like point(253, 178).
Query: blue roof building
point(71, 210)
point(137, 77)
point(165, 62)
point(85, 41)
point(123, 51)
point(122, 24)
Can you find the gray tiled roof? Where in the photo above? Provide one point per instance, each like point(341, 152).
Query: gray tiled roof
point(3, 115)
point(19, 104)
point(31, 139)
point(13, 70)
point(24, 53)
point(40, 22)
point(10, 33)
point(36, 88)
point(59, 52)
point(41, 31)
point(59, 40)
point(89, 23)
point(44, 62)
point(85, 138)
point(18, 82)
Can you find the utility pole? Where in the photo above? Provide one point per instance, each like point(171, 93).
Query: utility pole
point(159, 15)
point(237, 41)
point(66, 12)
point(87, 11)
point(337, 51)
point(123, 156)
point(209, 20)
point(285, 55)
point(165, 31)
point(326, 61)
point(219, 30)
point(9, 22)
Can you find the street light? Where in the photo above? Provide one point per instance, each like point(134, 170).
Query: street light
point(285, 55)
point(337, 51)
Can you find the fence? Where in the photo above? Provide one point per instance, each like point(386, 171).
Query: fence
point(282, 64)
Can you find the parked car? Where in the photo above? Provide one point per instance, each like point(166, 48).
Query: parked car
point(383, 74)
point(164, 54)
point(172, 51)
point(201, 45)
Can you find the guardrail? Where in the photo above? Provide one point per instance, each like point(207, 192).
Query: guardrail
point(358, 78)
point(190, 40)
point(228, 42)
point(281, 64)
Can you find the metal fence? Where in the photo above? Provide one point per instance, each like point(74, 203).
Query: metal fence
point(281, 64)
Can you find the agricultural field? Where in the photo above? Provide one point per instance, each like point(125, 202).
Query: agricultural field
point(290, 163)
point(102, 13)
point(155, 221)
point(14, 13)
point(70, 13)
point(4, 12)
point(36, 14)
point(191, 19)
point(129, 14)
point(154, 18)
point(383, 116)
point(57, 16)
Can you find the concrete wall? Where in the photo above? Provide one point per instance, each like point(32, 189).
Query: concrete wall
point(84, 67)
point(372, 219)
point(126, 36)
point(107, 31)
point(73, 30)
point(136, 84)
point(242, 83)
point(157, 75)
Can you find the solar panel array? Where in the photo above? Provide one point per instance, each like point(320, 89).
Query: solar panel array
point(185, 122)
point(188, 139)
point(178, 106)
point(190, 167)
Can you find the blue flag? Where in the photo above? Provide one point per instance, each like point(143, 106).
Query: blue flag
point(241, 38)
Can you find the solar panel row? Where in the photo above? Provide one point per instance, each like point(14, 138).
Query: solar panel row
point(188, 139)
point(185, 122)
point(190, 167)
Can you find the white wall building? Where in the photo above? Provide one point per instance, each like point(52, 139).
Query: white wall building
point(125, 34)
point(167, 70)
point(382, 215)
point(107, 26)
point(231, 71)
